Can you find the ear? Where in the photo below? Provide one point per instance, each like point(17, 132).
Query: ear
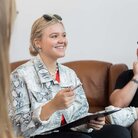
point(37, 43)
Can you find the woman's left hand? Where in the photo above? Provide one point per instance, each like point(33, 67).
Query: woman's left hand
point(97, 124)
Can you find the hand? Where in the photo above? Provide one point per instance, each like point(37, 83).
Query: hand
point(96, 124)
point(63, 99)
point(135, 69)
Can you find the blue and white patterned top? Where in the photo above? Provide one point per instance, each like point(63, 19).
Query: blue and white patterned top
point(32, 86)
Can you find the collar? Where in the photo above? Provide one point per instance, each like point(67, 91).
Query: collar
point(42, 71)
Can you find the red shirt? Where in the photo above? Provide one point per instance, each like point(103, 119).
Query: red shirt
point(63, 121)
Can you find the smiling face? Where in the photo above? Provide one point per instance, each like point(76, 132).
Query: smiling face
point(53, 42)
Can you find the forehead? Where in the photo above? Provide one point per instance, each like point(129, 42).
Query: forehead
point(54, 28)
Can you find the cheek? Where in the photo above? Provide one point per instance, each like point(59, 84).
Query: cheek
point(46, 43)
point(66, 42)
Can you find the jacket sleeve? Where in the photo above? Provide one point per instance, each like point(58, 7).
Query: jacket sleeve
point(20, 109)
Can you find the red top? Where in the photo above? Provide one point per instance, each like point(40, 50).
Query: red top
point(63, 121)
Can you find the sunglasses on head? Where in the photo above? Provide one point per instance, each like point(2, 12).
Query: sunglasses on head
point(49, 18)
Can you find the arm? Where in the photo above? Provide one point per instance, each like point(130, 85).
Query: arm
point(63, 99)
point(20, 111)
point(123, 95)
point(26, 116)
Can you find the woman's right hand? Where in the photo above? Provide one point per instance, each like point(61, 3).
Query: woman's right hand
point(63, 99)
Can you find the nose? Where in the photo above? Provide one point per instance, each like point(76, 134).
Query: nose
point(62, 39)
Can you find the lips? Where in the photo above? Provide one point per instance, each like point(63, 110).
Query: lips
point(60, 47)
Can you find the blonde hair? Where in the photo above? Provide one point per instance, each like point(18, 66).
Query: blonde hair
point(7, 13)
point(37, 31)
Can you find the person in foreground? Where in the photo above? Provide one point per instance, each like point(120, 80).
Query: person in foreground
point(7, 13)
point(125, 96)
point(42, 90)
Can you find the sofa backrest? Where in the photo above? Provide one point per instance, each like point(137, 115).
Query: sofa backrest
point(98, 79)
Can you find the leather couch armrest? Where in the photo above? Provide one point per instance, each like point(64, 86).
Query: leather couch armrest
point(114, 71)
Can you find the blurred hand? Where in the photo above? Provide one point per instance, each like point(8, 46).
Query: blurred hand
point(64, 99)
point(135, 69)
point(97, 124)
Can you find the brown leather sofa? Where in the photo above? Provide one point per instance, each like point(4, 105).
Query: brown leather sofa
point(98, 79)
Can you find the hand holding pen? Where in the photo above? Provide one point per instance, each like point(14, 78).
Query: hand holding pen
point(65, 97)
point(72, 88)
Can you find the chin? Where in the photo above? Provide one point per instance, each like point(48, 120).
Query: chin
point(61, 56)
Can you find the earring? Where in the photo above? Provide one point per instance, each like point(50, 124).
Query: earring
point(38, 49)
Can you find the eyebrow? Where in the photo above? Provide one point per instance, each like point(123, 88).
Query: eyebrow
point(57, 33)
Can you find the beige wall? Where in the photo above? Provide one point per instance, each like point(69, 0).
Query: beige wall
point(97, 29)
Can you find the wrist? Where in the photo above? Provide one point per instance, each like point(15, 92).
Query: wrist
point(53, 105)
point(46, 111)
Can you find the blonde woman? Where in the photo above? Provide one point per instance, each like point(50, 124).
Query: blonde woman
point(43, 93)
point(7, 13)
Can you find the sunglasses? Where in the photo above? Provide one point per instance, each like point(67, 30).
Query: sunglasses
point(49, 18)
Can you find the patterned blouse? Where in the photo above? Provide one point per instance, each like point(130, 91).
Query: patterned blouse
point(32, 86)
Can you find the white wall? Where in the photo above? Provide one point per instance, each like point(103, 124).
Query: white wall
point(104, 30)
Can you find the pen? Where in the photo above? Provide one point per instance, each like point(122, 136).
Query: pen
point(76, 87)
point(63, 87)
point(73, 88)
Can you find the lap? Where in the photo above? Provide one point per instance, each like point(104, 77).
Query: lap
point(66, 134)
point(108, 131)
point(111, 131)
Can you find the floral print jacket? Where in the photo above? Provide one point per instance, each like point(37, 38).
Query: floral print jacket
point(31, 87)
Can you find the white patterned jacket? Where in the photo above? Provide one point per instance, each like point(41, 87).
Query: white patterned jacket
point(32, 86)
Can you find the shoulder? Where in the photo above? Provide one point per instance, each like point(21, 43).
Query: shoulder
point(65, 69)
point(127, 73)
point(66, 72)
point(124, 78)
point(24, 68)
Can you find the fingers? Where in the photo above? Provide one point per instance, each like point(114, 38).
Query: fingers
point(69, 102)
point(69, 98)
point(96, 127)
point(135, 68)
point(97, 124)
point(64, 98)
point(68, 92)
